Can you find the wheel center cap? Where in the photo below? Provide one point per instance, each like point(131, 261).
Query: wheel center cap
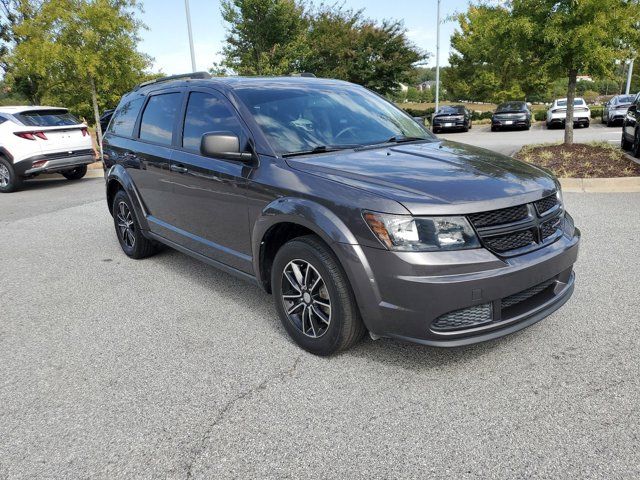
point(306, 297)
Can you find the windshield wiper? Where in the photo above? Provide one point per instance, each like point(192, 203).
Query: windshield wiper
point(314, 150)
point(394, 139)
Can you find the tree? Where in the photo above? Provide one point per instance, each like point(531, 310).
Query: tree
point(276, 37)
point(84, 52)
point(486, 63)
point(574, 37)
point(264, 37)
point(346, 45)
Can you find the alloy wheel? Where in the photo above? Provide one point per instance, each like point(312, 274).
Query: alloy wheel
point(126, 225)
point(5, 176)
point(306, 299)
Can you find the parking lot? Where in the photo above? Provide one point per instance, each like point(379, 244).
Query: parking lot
point(510, 141)
point(168, 368)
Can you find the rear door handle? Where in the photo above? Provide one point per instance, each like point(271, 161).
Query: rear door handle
point(178, 168)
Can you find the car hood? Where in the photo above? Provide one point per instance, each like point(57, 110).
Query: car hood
point(621, 105)
point(435, 177)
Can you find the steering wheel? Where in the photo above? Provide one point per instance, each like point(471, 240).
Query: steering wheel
point(345, 130)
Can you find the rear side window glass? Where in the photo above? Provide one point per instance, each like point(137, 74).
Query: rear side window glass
point(124, 119)
point(159, 117)
point(207, 112)
point(47, 118)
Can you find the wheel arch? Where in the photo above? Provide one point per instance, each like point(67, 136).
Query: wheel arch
point(119, 179)
point(288, 218)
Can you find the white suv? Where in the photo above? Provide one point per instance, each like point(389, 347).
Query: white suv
point(35, 140)
point(557, 113)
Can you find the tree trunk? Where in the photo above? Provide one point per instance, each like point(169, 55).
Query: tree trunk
point(571, 95)
point(96, 114)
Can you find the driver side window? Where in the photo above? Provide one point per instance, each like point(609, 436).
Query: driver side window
point(207, 112)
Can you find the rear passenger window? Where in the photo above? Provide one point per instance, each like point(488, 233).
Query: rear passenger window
point(159, 116)
point(207, 112)
point(125, 118)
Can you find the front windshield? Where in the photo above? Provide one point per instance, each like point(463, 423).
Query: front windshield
point(302, 118)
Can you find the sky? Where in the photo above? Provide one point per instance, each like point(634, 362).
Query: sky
point(167, 41)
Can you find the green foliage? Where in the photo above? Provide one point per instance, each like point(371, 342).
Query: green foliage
point(264, 37)
point(83, 52)
point(276, 37)
point(540, 115)
point(596, 112)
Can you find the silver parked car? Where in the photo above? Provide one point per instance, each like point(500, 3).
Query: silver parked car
point(616, 109)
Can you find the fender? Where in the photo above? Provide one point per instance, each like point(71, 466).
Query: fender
point(5, 153)
point(314, 216)
point(119, 174)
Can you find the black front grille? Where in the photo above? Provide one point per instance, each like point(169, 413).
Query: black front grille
point(499, 217)
point(510, 241)
point(546, 204)
point(465, 318)
point(495, 312)
point(519, 229)
point(525, 294)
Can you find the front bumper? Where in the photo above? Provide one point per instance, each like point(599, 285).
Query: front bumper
point(449, 124)
point(52, 164)
point(617, 115)
point(514, 122)
point(402, 294)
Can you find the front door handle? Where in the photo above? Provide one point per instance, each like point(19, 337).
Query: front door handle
point(178, 168)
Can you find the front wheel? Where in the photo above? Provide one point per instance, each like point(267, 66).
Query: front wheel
point(624, 143)
point(75, 174)
point(314, 298)
point(9, 180)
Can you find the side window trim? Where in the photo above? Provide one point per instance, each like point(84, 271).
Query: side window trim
point(176, 121)
point(217, 93)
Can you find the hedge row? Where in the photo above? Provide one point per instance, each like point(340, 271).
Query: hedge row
point(538, 115)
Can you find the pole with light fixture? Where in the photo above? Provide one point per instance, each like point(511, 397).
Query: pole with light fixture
point(629, 75)
point(193, 55)
point(438, 59)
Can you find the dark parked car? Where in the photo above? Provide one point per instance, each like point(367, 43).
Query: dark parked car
point(511, 115)
point(451, 117)
point(105, 118)
point(631, 128)
point(616, 109)
point(338, 203)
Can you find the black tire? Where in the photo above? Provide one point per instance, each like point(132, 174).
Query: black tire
point(134, 244)
point(344, 328)
point(635, 150)
point(75, 174)
point(435, 130)
point(494, 129)
point(624, 143)
point(586, 125)
point(9, 180)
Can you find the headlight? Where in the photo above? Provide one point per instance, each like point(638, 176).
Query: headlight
point(559, 197)
point(422, 234)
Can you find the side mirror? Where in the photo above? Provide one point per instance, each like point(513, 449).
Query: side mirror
point(225, 145)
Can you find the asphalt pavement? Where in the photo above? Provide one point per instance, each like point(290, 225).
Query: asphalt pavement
point(510, 141)
point(167, 368)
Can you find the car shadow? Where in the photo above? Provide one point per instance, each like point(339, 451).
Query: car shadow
point(384, 351)
point(53, 183)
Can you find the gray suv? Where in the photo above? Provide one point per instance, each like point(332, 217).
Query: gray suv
point(343, 207)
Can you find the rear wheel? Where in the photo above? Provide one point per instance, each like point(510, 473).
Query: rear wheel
point(314, 298)
point(75, 174)
point(134, 244)
point(494, 129)
point(9, 180)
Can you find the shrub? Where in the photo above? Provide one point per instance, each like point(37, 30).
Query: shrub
point(540, 115)
point(596, 112)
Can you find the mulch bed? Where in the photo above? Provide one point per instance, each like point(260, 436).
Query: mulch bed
point(580, 160)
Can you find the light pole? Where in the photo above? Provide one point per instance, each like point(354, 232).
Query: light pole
point(193, 55)
point(438, 59)
point(629, 75)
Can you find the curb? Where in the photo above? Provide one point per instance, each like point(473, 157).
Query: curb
point(601, 185)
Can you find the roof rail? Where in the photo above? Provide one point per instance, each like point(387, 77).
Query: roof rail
point(183, 76)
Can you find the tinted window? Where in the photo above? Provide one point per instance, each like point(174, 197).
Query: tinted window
point(512, 107)
point(298, 118)
point(125, 117)
point(158, 118)
point(451, 109)
point(576, 101)
point(47, 118)
point(625, 99)
point(207, 113)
